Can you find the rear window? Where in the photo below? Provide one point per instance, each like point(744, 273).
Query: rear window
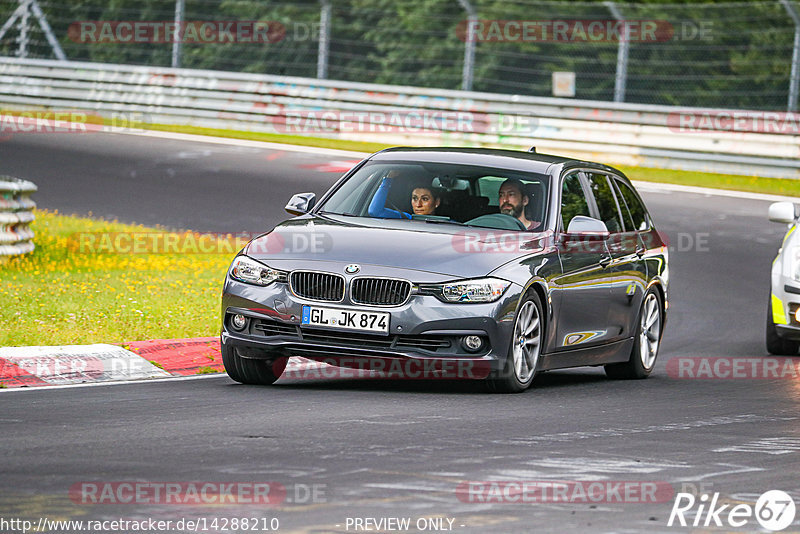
point(635, 209)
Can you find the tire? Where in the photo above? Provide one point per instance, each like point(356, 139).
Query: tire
point(775, 343)
point(646, 342)
point(524, 349)
point(252, 371)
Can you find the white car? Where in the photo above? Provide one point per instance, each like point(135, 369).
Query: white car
point(783, 312)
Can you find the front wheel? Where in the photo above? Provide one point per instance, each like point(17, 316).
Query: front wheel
point(646, 343)
point(524, 349)
point(251, 371)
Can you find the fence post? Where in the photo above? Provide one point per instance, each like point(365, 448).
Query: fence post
point(469, 46)
point(176, 39)
point(793, 82)
point(622, 54)
point(324, 39)
point(16, 212)
point(22, 13)
point(22, 39)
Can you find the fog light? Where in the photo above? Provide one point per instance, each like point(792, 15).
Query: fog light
point(472, 343)
point(797, 315)
point(239, 321)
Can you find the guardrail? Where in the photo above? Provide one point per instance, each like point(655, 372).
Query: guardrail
point(16, 213)
point(737, 142)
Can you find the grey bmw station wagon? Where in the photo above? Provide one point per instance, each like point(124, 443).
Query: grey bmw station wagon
point(456, 263)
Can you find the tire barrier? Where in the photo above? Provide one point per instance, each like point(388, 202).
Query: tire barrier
point(16, 214)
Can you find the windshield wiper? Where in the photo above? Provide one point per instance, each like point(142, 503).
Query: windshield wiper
point(437, 221)
point(340, 214)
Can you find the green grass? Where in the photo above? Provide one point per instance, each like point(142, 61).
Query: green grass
point(61, 295)
point(755, 184)
point(301, 140)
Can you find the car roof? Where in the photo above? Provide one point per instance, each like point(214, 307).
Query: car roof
point(484, 157)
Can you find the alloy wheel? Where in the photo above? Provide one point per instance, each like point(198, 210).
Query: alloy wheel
point(527, 341)
point(649, 331)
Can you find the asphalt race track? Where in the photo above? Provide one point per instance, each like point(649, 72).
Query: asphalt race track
point(388, 449)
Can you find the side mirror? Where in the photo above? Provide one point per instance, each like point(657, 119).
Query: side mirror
point(587, 225)
point(781, 212)
point(301, 203)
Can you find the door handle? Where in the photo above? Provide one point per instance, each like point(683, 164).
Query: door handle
point(605, 261)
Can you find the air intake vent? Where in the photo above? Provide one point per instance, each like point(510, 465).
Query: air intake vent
point(317, 286)
point(380, 291)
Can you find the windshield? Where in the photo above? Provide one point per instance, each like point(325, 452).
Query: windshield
point(444, 193)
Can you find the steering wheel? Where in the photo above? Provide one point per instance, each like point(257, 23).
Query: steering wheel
point(501, 221)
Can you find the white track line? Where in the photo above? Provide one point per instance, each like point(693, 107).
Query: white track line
point(247, 143)
point(111, 383)
point(707, 191)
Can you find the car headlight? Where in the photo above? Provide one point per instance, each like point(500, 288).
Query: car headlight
point(250, 271)
point(481, 290)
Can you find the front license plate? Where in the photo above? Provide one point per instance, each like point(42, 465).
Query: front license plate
point(346, 319)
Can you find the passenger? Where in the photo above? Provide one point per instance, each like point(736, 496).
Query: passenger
point(377, 207)
point(424, 200)
point(512, 200)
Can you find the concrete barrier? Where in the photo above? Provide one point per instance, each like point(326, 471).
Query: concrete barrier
point(730, 141)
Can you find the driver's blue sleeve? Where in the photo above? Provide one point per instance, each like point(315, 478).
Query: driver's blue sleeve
point(377, 208)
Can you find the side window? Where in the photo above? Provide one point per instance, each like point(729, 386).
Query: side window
point(573, 201)
point(488, 186)
point(606, 202)
point(638, 215)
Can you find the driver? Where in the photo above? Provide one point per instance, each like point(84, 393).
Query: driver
point(512, 201)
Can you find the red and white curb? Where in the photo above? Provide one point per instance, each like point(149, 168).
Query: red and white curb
point(77, 364)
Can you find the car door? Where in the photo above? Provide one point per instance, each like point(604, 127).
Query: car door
point(627, 270)
point(641, 234)
point(583, 286)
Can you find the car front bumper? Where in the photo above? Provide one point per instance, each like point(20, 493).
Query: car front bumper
point(788, 331)
point(424, 331)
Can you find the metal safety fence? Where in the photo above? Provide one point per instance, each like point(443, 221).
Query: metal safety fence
point(731, 54)
point(16, 213)
point(123, 97)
